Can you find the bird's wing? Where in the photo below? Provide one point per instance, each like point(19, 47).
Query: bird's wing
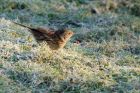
point(40, 36)
point(47, 31)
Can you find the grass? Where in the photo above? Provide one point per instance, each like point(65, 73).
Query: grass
point(106, 59)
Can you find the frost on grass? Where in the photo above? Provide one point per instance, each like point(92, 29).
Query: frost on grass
point(30, 66)
point(110, 65)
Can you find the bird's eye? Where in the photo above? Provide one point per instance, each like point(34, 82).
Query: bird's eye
point(69, 33)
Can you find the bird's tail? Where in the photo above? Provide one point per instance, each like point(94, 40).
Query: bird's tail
point(22, 25)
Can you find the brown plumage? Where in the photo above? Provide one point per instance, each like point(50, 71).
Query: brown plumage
point(55, 39)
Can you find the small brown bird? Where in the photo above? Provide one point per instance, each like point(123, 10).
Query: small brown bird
point(55, 39)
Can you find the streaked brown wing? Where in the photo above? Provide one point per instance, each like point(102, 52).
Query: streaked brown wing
point(48, 31)
point(40, 35)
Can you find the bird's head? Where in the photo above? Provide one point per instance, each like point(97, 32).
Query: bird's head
point(65, 34)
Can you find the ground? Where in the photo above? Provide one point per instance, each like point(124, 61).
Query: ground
point(103, 56)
